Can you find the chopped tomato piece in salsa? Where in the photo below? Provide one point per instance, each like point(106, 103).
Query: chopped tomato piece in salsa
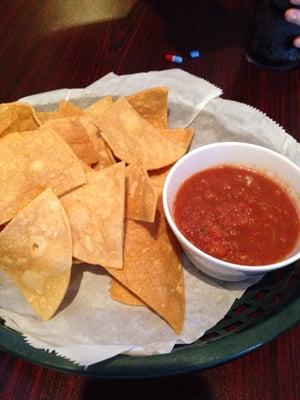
point(237, 215)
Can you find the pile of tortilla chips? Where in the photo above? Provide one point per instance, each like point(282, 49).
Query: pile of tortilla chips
point(84, 186)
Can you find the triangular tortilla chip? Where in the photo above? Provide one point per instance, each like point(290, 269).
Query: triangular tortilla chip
point(182, 136)
point(133, 139)
point(30, 162)
point(68, 109)
point(141, 194)
point(17, 117)
point(105, 157)
point(153, 268)
point(74, 132)
point(119, 292)
point(152, 105)
point(96, 213)
point(36, 252)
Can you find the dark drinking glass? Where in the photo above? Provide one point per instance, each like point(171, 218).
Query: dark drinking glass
point(270, 42)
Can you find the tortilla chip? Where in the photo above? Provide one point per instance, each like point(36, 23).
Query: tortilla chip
point(30, 162)
point(96, 213)
point(120, 293)
point(105, 157)
point(74, 132)
point(17, 117)
point(133, 139)
point(141, 194)
point(100, 107)
point(152, 105)
point(36, 252)
point(153, 268)
point(45, 116)
point(182, 136)
point(67, 109)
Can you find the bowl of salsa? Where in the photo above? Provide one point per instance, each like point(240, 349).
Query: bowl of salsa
point(235, 209)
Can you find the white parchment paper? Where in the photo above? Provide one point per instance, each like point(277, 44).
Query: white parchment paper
point(89, 326)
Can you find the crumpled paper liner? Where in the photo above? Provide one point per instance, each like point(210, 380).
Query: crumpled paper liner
point(90, 327)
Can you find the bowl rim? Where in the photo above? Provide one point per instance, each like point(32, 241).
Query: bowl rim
point(257, 269)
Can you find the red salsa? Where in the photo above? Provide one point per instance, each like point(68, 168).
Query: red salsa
point(237, 215)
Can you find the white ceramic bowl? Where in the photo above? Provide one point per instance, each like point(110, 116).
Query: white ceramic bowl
point(276, 166)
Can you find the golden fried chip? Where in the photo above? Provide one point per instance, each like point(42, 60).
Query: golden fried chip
point(36, 252)
point(105, 157)
point(45, 116)
point(96, 213)
point(133, 139)
point(30, 162)
point(153, 268)
point(120, 293)
point(141, 194)
point(17, 117)
point(182, 136)
point(152, 105)
point(68, 109)
point(75, 133)
point(100, 107)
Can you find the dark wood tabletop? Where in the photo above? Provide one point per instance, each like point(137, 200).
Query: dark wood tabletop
point(53, 44)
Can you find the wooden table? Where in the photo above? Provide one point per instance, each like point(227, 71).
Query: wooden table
point(51, 44)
